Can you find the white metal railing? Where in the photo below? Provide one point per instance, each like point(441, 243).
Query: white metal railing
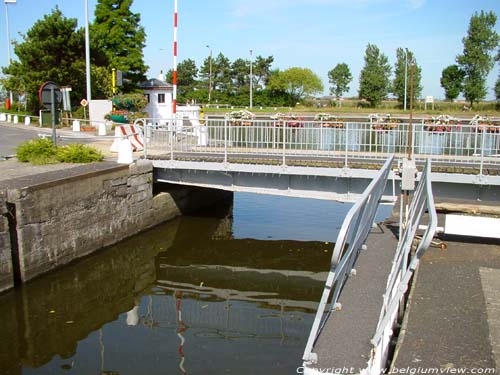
point(350, 242)
point(403, 268)
point(461, 143)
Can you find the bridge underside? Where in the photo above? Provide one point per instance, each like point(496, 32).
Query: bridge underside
point(340, 184)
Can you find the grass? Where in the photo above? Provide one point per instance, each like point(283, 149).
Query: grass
point(41, 151)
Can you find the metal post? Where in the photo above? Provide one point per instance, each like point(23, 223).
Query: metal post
point(406, 76)
point(251, 80)
point(174, 73)
point(346, 143)
point(87, 52)
point(53, 112)
point(284, 143)
point(210, 75)
point(225, 140)
point(9, 57)
point(410, 125)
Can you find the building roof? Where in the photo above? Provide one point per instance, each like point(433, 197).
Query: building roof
point(154, 84)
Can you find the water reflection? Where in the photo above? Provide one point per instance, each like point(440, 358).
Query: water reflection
point(203, 294)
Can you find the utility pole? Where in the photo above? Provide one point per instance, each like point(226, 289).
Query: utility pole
point(9, 57)
point(209, 74)
point(406, 76)
point(87, 52)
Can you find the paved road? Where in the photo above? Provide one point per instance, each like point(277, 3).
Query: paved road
point(12, 135)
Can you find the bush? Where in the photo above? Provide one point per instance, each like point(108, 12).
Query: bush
point(37, 151)
point(78, 153)
point(41, 151)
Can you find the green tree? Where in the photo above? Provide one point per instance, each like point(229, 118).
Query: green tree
point(477, 60)
point(340, 77)
point(398, 84)
point(452, 81)
point(221, 77)
point(117, 32)
point(240, 73)
point(374, 80)
point(262, 71)
point(51, 50)
point(296, 82)
point(186, 79)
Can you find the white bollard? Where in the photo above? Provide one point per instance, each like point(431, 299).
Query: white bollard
point(203, 139)
point(16, 119)
point(27, 120)
point(76, 125)
point(125, 155)
point(101, 129)
point(9, 118)
point(3, 117)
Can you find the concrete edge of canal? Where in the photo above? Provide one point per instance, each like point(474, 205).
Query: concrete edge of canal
point(48, 220)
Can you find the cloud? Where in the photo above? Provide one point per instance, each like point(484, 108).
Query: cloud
point(416, 4)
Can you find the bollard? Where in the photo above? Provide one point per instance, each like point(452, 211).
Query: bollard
point(27, 120)
point(9, 118)
point(101, 129)
point(125, 155)
point(16, 119)
point(3, 117)
point(76, 125)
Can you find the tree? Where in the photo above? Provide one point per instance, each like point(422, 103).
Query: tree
point(374, 79)
point(340, 77)
point(262, 71)
point(52, 50)
point(296, 82)
point(240, 74)
point(186, 79)
point(398, 84)
point(477, 60)
point(117, 32)
point(452, 81)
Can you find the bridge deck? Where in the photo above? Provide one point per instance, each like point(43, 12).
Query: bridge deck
point(347, 333)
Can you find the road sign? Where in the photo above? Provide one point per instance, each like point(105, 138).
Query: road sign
point(45, 94)
point(84, 103)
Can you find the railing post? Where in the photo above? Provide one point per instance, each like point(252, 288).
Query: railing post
point(225, 140)
point(284, 143)
point(171, 141)
point(145, 137)
point(482, 154)
point(346, 144)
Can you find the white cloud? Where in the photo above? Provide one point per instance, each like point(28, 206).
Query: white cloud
point(415, 4)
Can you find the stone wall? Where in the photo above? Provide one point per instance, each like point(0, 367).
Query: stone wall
point(6, 271)
point(67, 218)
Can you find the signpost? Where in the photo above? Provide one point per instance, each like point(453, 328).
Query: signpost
point(84, 103)
point(50, 97)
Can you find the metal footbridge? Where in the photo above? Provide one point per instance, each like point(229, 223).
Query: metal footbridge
point(321, 159)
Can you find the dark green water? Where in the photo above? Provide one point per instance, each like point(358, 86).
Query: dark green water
point(230, 291)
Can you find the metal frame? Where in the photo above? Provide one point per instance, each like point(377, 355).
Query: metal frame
point(350, 242)
point(403, 268)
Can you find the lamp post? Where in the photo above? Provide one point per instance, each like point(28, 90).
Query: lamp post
point(406, 76)
point(87, 52)
point(210, 74)
point(7, 2)
point(251, 80)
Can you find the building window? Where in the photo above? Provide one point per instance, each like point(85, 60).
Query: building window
point(147, 97)
point(161, 98)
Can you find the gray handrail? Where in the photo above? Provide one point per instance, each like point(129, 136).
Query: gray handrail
point(350, 241)
point(402, 270)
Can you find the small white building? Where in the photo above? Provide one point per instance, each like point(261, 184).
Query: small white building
point(159, 95)
point(159, 108)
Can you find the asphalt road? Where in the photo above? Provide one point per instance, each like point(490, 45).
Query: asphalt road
point(11, 136)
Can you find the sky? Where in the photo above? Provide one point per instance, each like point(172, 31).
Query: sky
point(315, 34)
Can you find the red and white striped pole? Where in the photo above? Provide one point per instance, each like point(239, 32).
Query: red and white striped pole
point(174, 74)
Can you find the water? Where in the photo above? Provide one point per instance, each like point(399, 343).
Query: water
point(230, 291)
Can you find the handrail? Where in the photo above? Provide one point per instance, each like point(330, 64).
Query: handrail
point(402, 270)
point(350, 242)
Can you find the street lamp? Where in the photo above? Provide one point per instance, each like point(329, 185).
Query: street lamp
point(210, 74)
point(251, 80)
point(406, 76)
point(87, 52)
point(7, 2)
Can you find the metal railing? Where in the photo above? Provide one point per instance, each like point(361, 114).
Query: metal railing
point(350, 242)
point(403, 268)
point(469, 144)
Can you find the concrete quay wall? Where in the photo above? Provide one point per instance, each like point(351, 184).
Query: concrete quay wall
point(60, 220)
point(6, 270)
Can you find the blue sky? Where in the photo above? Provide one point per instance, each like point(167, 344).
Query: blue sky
point(317, 34)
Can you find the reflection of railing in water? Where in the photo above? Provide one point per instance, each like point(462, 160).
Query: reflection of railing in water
point(350, 242)
point(355, 139)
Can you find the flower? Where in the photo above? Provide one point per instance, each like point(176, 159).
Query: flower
point(385, 122)
point(329, 121)
point(441, 123)
point(238, 117)
point(485, 124)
